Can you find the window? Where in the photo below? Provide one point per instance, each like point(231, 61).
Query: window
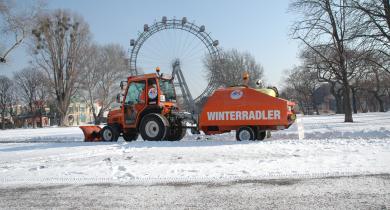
point(167, 89)
point(136, 93)
point(82, 118)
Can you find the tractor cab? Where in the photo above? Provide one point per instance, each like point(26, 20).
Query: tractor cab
point(140, 95)
point(147, 107)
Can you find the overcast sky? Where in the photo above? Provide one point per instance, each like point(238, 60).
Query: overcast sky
point(260, 27)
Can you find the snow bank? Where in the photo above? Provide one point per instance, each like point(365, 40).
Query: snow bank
point(49, 134)
point(365, 126)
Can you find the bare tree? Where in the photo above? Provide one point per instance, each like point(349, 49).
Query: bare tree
point(90, 63)
point(325, 24)
point(33, 91)
point(61, 39)
point(229, 69)
point(5, 97)
point(103, 68)
point(375, 80)
point(372, 26)
point(15, 24)
point(303, 83)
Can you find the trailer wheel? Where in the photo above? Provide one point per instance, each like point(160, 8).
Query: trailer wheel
point(109, 133)
point(130, 136)
point(261, 135)
point(245, 134)
point(153, 127)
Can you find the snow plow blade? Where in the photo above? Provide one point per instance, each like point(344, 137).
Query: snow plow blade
point(91, 132)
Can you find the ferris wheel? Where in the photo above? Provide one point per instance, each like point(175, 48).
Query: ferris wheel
point(179, 48)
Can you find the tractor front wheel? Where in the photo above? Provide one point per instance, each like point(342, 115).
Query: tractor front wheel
point(153, 127)
point(109, 133)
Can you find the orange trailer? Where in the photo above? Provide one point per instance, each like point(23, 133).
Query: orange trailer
point(251, 112)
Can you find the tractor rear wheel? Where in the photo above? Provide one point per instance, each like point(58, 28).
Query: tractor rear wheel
point(176, 134)
point(261, 135)
point(109, 133)
point(132, 136)
point(245, 133)
point(153, 127)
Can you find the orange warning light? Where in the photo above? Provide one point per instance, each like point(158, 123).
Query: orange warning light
point(245, 77)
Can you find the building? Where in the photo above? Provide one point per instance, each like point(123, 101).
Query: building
point(79, 113)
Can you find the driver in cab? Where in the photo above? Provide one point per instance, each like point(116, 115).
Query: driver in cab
point(151, 92)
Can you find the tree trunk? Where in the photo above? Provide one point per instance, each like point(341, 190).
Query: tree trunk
point(34, 121)
point(354, 103)
point(40, 117)
point(347, 103)
point(99, 116)
point(63, 105)
point(61, 119)
point(363, 108)
point(315, 106)
point(380, 102)
point(372, 107)
point(336, 94)
point(96, 118)
point(302, 108)
point(339, 104)
point(14, 122)
point(13, 117)
point(3, 121)
point(33, 114)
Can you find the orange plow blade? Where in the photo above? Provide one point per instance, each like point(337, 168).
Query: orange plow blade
point(91, 132)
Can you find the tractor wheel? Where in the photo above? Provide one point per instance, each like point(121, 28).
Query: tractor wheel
point(153, 127)
point(130, 136)
point(261, 135)
point(176, 135)
point(109, 133)
point(245, 134)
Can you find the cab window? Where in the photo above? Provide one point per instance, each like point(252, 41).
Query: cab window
point(168, 90)
point(136, 93)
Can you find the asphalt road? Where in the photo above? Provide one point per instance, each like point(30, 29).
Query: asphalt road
point(359, 192)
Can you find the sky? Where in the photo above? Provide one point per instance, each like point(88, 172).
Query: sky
point(259, 27)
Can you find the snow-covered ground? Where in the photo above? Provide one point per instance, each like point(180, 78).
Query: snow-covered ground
point(330, 148)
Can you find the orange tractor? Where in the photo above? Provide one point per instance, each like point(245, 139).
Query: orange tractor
point(148, 107)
